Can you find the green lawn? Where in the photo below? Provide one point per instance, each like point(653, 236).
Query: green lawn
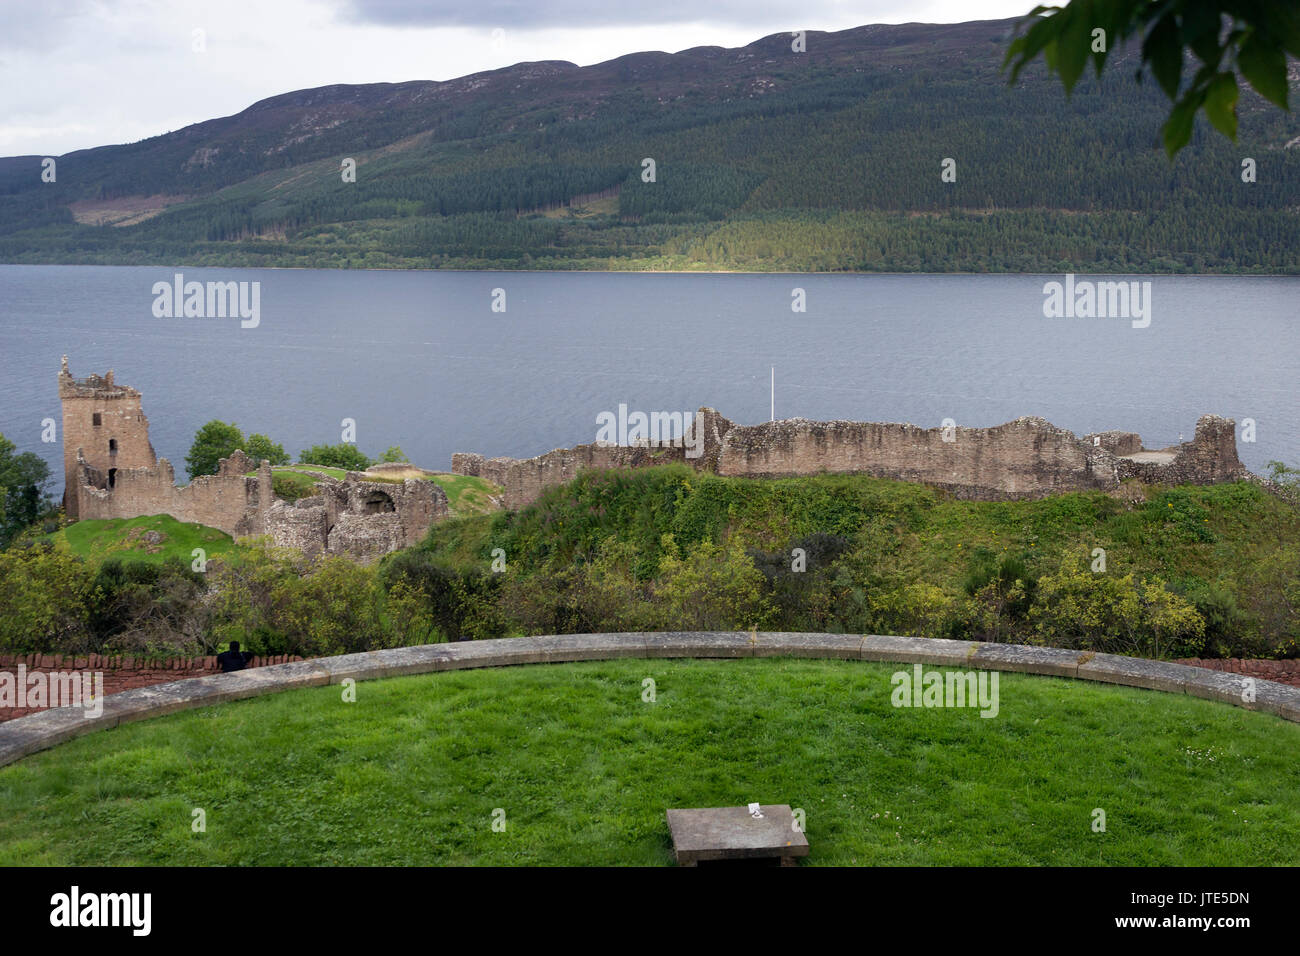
point(584, 769)
point(466, 494)
point(100, 538)
point(339, 473)
point(302, 471)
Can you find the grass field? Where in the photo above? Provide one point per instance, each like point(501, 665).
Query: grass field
point(102, 538)
point(584, 769)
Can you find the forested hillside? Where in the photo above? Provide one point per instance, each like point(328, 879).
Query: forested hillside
point(765, 159)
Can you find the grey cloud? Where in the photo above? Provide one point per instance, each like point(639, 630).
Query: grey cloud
point(39, 27)
point(582, 14)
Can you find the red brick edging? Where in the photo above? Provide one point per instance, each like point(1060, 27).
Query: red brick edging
point(120, 673)
point(1283, 672)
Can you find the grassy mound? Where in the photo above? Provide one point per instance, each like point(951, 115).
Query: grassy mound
point(896, 558)
point(152, 539)
point(466, 494)
point(584, 768)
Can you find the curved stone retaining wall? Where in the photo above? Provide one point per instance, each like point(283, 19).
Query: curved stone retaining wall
point(26, 735)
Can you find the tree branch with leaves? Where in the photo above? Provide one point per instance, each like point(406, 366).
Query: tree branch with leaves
point(1232, 40)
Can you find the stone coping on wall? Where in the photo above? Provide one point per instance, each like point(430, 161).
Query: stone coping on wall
point(27, 735)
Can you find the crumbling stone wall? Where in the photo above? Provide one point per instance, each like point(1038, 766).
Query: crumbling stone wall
point(357, 517)
point(1115, 442)
point(229, 500)
point(523, 480)
point(1210, 457)
point(1026, 458)
point(1022, 458)
point(301, 524)
point(495, 470)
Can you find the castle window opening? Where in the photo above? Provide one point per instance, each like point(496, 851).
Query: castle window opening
point(112, 446)
point(378, 503)
point(97, 419)
point(112, 477)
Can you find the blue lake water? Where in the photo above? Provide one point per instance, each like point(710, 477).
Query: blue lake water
point(419, 359)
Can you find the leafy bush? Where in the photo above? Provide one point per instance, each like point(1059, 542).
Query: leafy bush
point(1229, 630)
point(796, 580)
point(711, 589)
point(1077, 607)
point(244, 604)
point(260, 448)
point(602, 595)
point(336, 609)
point(291, 487)
point(342, 455)
point(138, 607)
point(23, 480)
point(461, 602)
point(44, 591)
point(212, 442)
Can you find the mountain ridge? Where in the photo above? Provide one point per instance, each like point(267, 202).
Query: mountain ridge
point(839, 146)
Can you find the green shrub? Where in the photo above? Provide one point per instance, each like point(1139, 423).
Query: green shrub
point(291, 487)
point(212, 442)
point(45, 593)
point(138, 607)
point(343, 455)
point(336, 609)
point(260, 448)
point(1229, 630)
point(461, 602)
point(711, 589)
point(1077, 607)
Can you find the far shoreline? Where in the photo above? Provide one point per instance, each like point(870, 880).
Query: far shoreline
point(675, 272)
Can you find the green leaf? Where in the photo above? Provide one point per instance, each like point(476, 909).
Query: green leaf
point(1050, 56)
point(1263, 62)
point(1202, 24)
point(1024, 48)
point(1177, 131)
point(1163, 49)
point(1284, 26)
point(1074, 44)
point(1221, 104)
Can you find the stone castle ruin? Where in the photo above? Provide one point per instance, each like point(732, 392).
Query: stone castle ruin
point(1026, 458)
point(111, 471)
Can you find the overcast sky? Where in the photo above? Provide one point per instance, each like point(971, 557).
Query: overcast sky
point(80, 73)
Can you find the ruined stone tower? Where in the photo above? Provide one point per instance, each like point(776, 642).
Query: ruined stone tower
point(111, 471)
point(105, 424)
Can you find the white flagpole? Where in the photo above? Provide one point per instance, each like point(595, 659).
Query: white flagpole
point(773, 393)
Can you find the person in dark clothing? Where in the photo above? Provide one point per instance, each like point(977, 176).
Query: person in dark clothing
point(234, 659)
